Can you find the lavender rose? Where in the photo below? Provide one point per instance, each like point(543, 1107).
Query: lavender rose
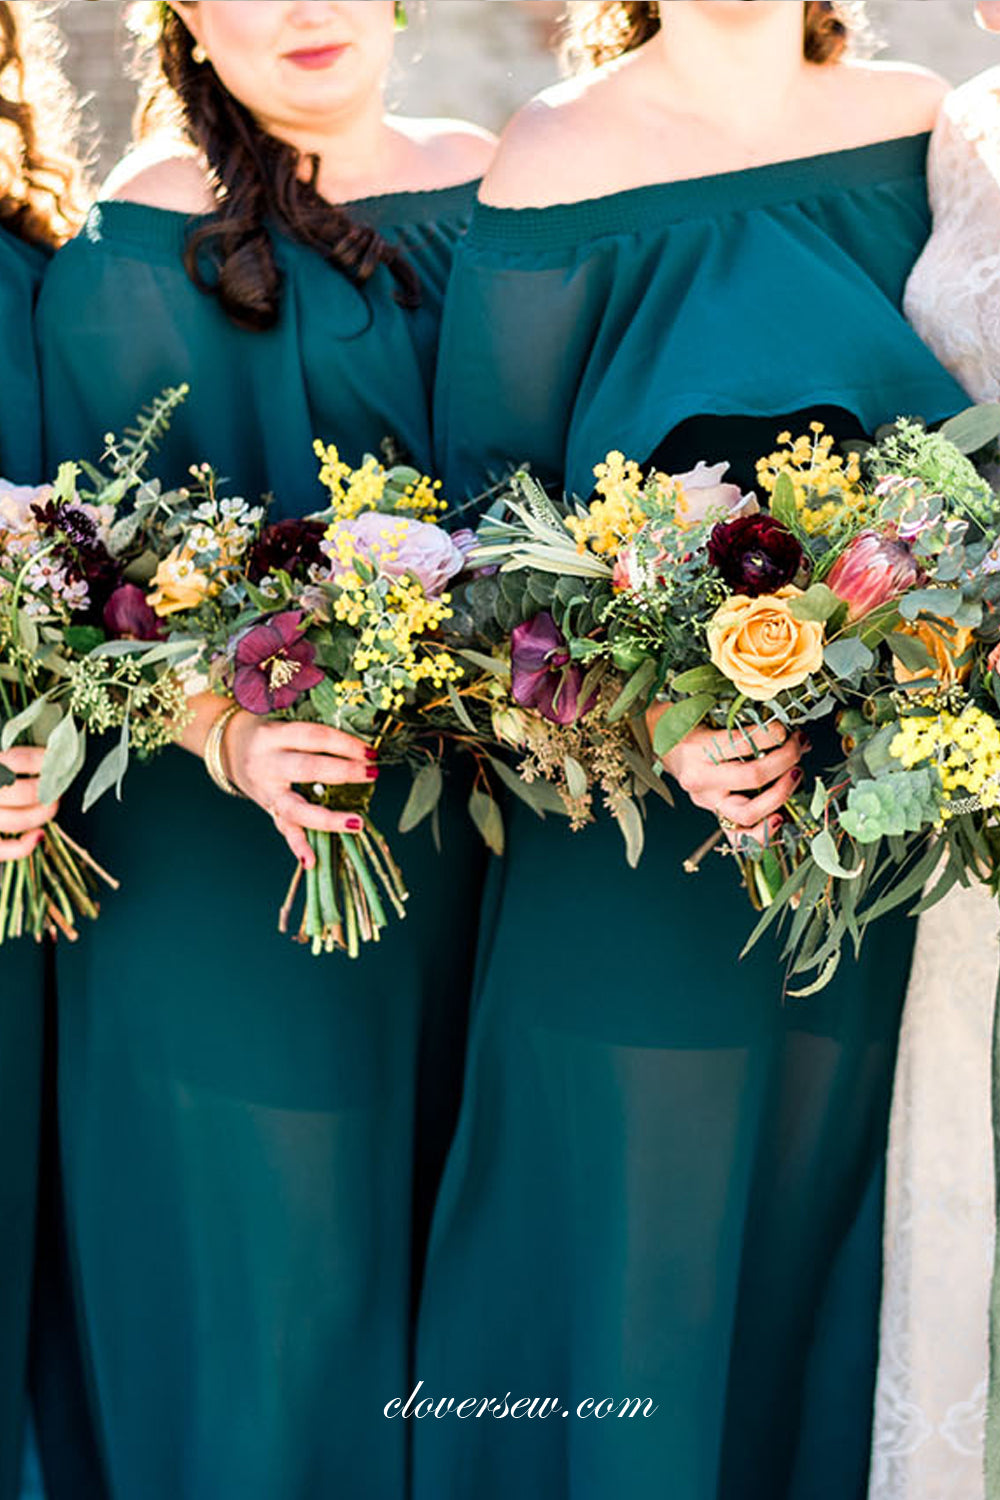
point(401, 545)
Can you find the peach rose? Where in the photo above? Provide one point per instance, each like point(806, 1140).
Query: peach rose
point(761, 647)
point(178, 584)
point(946, 642)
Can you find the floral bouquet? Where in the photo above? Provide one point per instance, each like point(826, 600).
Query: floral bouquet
point(336, 619)
point(81, 650)
point(866, 596)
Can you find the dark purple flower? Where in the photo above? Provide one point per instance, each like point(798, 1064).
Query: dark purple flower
point(80, 551)
point(542, 675)
point(128, 616)
point(754, 554)
point(275, 664)
point(293, 546)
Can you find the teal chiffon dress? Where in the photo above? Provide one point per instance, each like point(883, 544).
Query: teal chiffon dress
point(21, 963)
point(250, 1137)
point(665, 1185)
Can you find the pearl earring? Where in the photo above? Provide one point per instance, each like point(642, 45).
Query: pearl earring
point(198, 54)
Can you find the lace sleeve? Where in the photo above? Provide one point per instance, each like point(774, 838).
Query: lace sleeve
point(953, 295)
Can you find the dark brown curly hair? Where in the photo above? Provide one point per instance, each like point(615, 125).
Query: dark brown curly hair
point(258, 183)
point(41, 179)
point(605, 30)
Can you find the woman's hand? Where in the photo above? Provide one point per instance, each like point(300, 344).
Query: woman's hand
point(743, 778)
point(266, 759)
point(22, 816)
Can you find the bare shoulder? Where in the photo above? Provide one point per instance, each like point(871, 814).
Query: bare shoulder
point(899, 98)
point(171, 180)
point(555, 149)
point(453, 151)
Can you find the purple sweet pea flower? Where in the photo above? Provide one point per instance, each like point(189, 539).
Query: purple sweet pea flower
point(275, 664)
point(542, 676)
point(467, 542)
point(128, 616)
point(400, 545)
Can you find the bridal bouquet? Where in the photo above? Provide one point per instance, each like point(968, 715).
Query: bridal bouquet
point(81, 651)
point(337, 618)
point(866, 596)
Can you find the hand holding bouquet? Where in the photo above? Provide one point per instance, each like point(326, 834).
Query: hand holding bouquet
point(866, 598)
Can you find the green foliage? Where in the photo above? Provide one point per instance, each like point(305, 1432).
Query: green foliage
point(899, 802)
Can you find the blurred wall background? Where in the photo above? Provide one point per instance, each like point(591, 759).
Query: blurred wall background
point(482, 58)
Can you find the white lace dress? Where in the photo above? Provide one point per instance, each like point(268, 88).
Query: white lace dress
point(931, 1392)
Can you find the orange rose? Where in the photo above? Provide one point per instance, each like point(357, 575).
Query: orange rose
point(761, 647)
point(178, 584)
point(946, 642)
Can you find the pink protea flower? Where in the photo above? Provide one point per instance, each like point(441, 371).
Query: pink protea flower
point(871, 571)
point(275, 664)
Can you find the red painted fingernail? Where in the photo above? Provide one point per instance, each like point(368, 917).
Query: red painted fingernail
point(797, 775)
point(775, 825)
point(354, 825)
point(371, 772)
point(371, 753)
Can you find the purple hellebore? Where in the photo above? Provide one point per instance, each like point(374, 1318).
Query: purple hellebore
point(542, 675)
point(129, 616)
point(275, 664)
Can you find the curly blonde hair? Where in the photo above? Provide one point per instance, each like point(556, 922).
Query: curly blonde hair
point(41, 177)
point(599, 32)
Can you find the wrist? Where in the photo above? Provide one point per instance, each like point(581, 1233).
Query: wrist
point(217, 762)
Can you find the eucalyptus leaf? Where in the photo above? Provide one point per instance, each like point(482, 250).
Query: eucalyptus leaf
point(492, 664)
point(848, 656)
point(704, 679)
point(27, 632)
point(539, 795)
point(459, 708)
point(22, 721)
point(486, 815)
point(635, 688)
point(7, 777)
point(646, 776)
point(576, 777)
point(678, 720)
point(973, 428)
point(629, 820)
point(823, 849)
point(109, 773)
point(819, 602)
point(425, 794)
point(912, 652)
point(942, 603)
point(63, 759)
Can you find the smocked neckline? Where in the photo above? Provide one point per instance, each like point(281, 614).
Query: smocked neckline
point(650, 205)
point(148, 225)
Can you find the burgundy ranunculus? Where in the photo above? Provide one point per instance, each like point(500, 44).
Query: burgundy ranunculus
point(293, 546)
point(275, 664)
point(542, 676)
point(128, 616)
point(754, 554)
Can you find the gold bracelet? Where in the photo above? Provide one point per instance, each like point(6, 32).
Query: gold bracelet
point(213, 752)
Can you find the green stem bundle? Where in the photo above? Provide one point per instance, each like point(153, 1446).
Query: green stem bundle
point(345, 891)
point(46, 892)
